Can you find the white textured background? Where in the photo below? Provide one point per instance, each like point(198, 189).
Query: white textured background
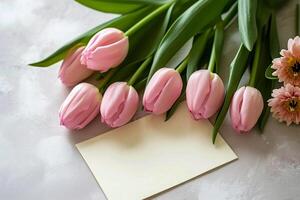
point(38, 159)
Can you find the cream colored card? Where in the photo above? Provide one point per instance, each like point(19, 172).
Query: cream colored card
point(149, 155)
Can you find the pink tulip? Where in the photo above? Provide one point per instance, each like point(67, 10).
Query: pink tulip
point(80, 107)
point(119, 104)
point(204, 94)
point(162, 91)
point(72, 71)
point(106, 50)
point(246, 107)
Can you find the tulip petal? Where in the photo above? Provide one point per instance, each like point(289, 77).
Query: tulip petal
point(249, 113)
point(79, 107)
point(215, 97)
point(105, 57)
point(156, 84)
point(107, 49)
point(168, 95)
point(114, 96)
point(235, 108)
point(201, 92)
point(105, 37)
point(129, 108)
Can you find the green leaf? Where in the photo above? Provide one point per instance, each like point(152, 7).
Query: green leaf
point(123, 23)
point(218, 44)
point(263, 15)
point(229, 16)
point(180, 7)
point(264, 85)
point(247, 22)
point(196, 53)
point(237, 69)
point(194, 20)
point(147, 2)
point(149, 36)
point(273, 38)
point(110, 7)
point(274, 46)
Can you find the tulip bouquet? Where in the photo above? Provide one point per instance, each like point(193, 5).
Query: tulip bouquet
point(129, 53)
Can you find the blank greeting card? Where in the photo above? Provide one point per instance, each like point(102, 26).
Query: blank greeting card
point(149, 155)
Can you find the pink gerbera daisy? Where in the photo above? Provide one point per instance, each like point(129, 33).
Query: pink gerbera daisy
point(287, 67)
point(285, 104)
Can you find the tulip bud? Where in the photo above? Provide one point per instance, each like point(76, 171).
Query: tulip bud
point(246, 107)
point(162, 91)
point(204, 94)
point(72, 71)
point(119, 104)
point(106, 50)
point(80, 107)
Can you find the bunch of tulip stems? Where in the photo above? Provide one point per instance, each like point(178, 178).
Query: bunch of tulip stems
point(129, 53)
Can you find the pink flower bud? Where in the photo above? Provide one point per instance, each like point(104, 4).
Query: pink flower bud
point(246, 107)
point(119, 104)
point(106, 50)
point(80, 107)
point(72, 71)
point(204, 94)
point(162, 91)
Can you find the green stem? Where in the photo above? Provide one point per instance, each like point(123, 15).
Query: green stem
point(255, 65)
point(106, 78)
point(140, 70)
point(212, 61)
point(148, 18)
point(182, 66)
point(297, 19)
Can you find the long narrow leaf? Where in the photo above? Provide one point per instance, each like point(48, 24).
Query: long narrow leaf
point(270, 50)
point(151, 2)
point(196, 53)
point(274, 46)
point(122, 22)
point(238, 67)
point(274, 39)
point(247, 22)
point(186, 26)
point(218, 44)
point(110, 7)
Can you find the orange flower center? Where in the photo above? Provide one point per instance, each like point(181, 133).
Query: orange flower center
point(293, 105)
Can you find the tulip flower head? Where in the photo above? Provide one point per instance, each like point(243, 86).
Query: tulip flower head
point(287, 67)
point(285, 104)
point(106, 50)
point(162, 91)
point(245, 109)
point(72, 71)
point(119, 104)
point(80, 107)
point(204, 94)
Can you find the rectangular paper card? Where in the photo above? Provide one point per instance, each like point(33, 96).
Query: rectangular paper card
point(149, 155)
